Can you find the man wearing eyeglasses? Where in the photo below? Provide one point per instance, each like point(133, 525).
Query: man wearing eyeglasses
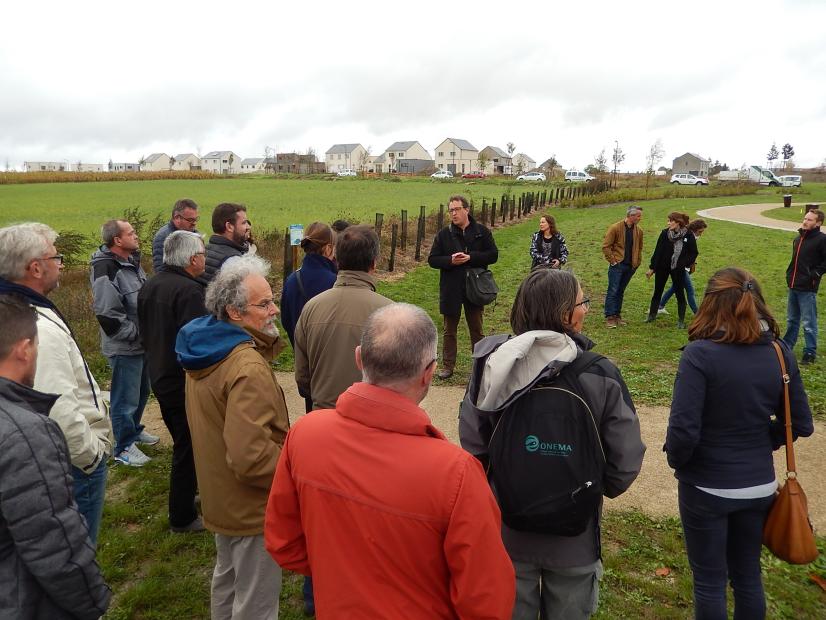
point(184, 217)
point(30, 266)
point(238, 420)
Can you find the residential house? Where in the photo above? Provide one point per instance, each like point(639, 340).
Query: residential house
point(457, 156)
point(221, 162)
point(186, 161)
point(691, 163)
point(549, 166)
point(345, 157)
point(407, 157)
point(252, 164)
point(45, 166)
point(123, 167)
point(370, 162)
point(81, 167)
point(296, 163)
point(156, 162)
point(523, 163)
point(497, 161)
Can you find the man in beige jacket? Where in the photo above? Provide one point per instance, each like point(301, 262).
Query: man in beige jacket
point(238, 420)
point(622, 248)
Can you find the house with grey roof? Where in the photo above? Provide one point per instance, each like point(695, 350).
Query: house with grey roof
point(156, 162)
point(186, 161)
point(497, 161)
point(691, 163)
point(523, 163)
point(406, 157)
point(221, 162)
point(252, 164)
point(457, 156)
point(345, 157)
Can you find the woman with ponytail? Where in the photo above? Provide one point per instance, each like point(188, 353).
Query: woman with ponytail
point(726, 420)
point(676, 249)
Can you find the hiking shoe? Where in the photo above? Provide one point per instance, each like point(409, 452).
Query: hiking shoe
point(147, 439)
point(662, 310)
point(808, 358)
point(197, 525)
point(620, 321)
point(611, 322)
point(132, 456)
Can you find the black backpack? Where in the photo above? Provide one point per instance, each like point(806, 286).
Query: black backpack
point(546, 458)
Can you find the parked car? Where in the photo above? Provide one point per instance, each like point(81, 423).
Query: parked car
point(474, 175)
point(442, 174)
point(577, 176)
point(688, 179)
point(347, 172)
point(791, 180)
point(531, 176)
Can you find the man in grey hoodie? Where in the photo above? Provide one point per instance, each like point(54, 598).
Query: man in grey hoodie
point(117, 277)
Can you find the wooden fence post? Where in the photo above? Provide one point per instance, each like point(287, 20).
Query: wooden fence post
point(493, 212)
point(420, 229)
point(379, 223)
point(404, 230)
point(394, 232)
point(441, 221)
point(288, 255)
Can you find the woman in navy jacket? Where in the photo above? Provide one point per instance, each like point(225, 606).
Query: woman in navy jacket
point(676, 249)
point(726, 419)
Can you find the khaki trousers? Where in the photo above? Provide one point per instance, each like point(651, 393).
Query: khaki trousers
point(473, 316)
point(246, 582)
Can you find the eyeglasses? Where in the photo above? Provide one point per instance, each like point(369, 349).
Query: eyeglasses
point(265, 305)
point(585, 303)
point(454, 210)
point(56, 257)
point(191, 220)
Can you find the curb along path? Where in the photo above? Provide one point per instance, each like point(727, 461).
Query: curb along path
point(751, 215)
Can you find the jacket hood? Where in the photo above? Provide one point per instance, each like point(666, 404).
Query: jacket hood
point(205, 341)
point(103, 253)
point(518, 362)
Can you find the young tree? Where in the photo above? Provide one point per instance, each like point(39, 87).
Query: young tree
point(600, 162)
point(772, 155)
point(655, 154)
point(362, 162)
point(482, 161)
point(788, 153)
point(617, 157)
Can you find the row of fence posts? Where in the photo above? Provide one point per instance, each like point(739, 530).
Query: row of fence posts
point(508, 208)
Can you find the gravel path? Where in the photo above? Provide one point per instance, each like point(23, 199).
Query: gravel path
point(751, 215)
point(655, 490)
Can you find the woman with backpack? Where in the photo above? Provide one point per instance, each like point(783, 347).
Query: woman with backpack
point(537, 463)
point(676, 249)
point(726, 420)
point(548, 247)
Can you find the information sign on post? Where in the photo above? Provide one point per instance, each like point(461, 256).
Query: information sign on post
point(296, 234)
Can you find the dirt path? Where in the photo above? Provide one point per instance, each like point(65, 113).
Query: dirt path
point(655, 490)
point(751, 215)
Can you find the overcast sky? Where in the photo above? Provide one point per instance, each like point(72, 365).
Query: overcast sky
point(92, 81)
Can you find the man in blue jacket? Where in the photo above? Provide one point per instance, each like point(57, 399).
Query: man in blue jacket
point(803, 275)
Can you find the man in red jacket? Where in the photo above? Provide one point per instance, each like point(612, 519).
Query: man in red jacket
point(392, 519)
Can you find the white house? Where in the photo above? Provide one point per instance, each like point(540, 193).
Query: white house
point(252, 164)
point(186, 161)
point(45, 166)
point(124, 167)
point(407, 156)
point(81, 167)
point(523, 163)
point(497, 161)
point(345, 157)
point(156, 162)
point(221, 162)
point(457, 156)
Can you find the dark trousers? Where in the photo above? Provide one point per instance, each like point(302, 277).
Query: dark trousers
point(677, 283)
point(473, 316)
point(723, 539)
point(182, 481)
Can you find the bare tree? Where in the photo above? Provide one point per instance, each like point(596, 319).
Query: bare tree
point(600, 162)
point(655, 154)
point(618, 157)
point(363, 158)
point(788, 153)
point(772, 156)
point(482, 161)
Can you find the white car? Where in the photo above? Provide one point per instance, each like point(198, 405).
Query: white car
point(531, 176)
point(442, 174)
point(688, 179)
point(791, 180)
point(577, 176)
point(347, 172)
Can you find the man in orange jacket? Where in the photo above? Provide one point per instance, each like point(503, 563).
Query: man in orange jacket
point(392, 519)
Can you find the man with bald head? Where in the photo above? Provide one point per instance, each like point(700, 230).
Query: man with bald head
point(389, 516)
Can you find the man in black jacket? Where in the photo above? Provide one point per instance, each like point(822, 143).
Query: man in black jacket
point(463, 243)
point(803, 275)
point(231, 238)
point(47, 563)
point(166, 303)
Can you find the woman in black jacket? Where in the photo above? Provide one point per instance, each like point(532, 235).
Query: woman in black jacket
point(548, 245)
point(727, 416)
point(676, 249)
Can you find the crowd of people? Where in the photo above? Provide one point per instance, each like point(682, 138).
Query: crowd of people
point(364, 496)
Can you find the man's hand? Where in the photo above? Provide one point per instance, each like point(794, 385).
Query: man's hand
point(459, 258)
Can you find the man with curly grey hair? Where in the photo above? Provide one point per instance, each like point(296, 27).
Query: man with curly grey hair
point(238, 421)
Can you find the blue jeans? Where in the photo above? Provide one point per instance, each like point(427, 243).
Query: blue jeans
point(619, 276)
point(689, 293)
point(723, 539)
point(802, 307)
point(89, 491)
point(130, 391)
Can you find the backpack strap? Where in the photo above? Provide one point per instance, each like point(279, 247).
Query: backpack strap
point(300, 284)
point(583, 362)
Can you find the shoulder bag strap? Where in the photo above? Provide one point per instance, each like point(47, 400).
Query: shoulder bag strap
point(791, 468)
point(300, 284)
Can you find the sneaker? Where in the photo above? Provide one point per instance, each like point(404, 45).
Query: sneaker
point(620, 321)
point(147, 439)
point(808, 358)
point(133, 457)
point(611, 322)
point(680, 324)
point(196, 526)
point(662, 310)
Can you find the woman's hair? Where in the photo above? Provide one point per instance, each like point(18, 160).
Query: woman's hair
point(317, 237)
point(732, 309)
point(678, 216)
point(551, 223)
point(545, 300)
point(697, 224)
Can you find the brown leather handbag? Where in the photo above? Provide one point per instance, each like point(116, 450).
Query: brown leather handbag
point(788, 532)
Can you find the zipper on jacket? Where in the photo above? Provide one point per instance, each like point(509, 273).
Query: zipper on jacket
point(797, 256)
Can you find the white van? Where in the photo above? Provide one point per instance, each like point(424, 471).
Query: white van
point(576, 176)
point(791, 180)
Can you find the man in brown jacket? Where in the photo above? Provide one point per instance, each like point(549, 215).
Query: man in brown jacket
point(238, 420)
point(622, 248)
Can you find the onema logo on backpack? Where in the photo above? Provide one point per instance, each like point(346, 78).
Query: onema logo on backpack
point(546, 458)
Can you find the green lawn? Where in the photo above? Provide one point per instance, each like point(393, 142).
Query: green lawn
point(793, 214)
